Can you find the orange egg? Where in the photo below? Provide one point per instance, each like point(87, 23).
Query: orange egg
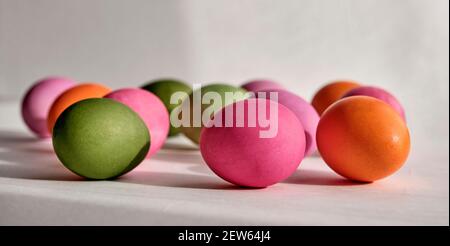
point(330, 93)
point(71, 96)
point(363, 138)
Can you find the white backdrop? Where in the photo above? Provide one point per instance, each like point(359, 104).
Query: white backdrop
point(401, 45)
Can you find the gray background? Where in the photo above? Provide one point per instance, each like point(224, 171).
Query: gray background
point(401, 45)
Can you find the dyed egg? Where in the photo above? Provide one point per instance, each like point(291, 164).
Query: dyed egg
point(330, 93)
point(304, 112)
point(100, 138)
point(240, 155)
point(258, 85)
point(363, 138)
point(192, 131)
point(71, 96)
point(38, 100)
point(164, 89)
point(150, 109)
point(378, 93)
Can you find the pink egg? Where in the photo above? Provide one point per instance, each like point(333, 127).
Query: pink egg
point(380, 94)
point(151, 110)
point(240, 155)
point(304, 111)
point(38, 100)
point(257, 85)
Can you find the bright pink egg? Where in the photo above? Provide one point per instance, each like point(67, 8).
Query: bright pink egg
point(304, 111)
point(38, 100)
point(151, 110)
point(240, 155)
point(380, 94)
point(257, 85)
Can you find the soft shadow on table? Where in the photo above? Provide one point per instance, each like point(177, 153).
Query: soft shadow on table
point(300, 177)
point(200, 169)
point(315, 154)
point(180, 157)
point(12, 137)
point(177, 180)
point(318, 177)
point(23, 156)
point(179, 146)
point(180, 152)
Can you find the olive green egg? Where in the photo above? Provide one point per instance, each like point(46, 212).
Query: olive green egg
point(164, 89)
point(100, 138)
point(193, 132)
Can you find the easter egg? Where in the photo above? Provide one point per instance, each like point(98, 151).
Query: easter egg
point(258, 85)
point(363, 138)
point(240, 155)
point(151, 110)
point(37, 102)
point(330, 93)
point(164, 89)
point(216, 91)
point(100, 138)
point(304, 112)
point(378, 93)
point(71, 96)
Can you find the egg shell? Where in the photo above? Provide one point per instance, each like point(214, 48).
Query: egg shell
point(100, 138)
point(263, 84)
point(37, 102)
point(71, 96)
point(240, 156)
point(164, 89)
point(304, 112)
point(331, 93)
point(193, 132)
point(363, 139)
point(378, 93)
point(150, 108)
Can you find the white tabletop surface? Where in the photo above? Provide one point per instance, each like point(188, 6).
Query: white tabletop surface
point(175, 187)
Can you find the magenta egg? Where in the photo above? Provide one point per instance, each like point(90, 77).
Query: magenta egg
point(304, 111)
point(380, 94)
point(257, 85)
point(37, 102)
point(247, 151)
point(151, 110)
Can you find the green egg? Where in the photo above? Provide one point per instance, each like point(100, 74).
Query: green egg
point(192, 132)
point(164, 88)
point(100, 138)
